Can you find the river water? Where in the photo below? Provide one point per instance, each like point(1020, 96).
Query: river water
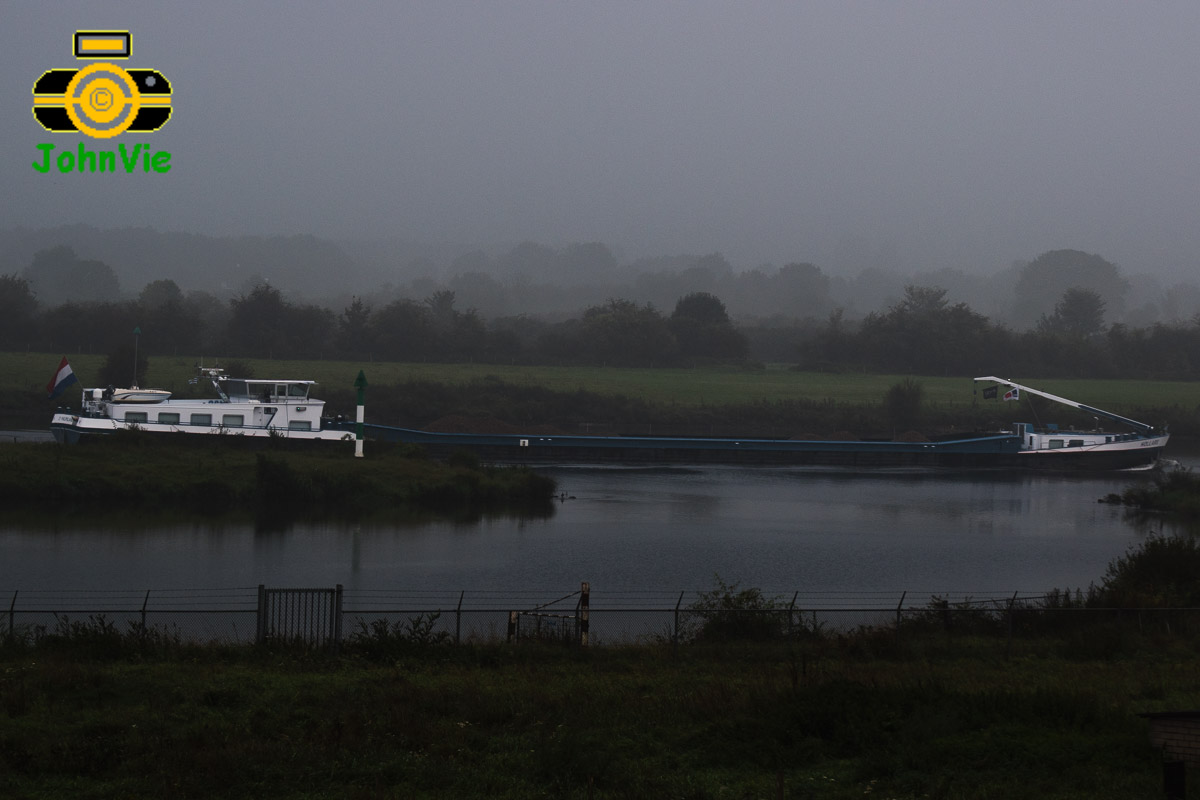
point(635, 529)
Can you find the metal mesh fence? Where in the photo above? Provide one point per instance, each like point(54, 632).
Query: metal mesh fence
point(333, 616)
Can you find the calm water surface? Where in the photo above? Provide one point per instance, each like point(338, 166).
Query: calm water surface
point(641, 529)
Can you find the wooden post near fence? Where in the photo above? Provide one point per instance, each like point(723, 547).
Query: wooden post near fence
point(584, 622)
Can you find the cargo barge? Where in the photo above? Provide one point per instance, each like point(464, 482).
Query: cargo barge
point(1024, 447)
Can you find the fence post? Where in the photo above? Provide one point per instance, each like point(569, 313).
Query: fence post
point(675, 631)
point(337, 618)
point(512, 626)
point(1012, 610)
point(791, 611)
point(145, 601)
point(12, 628)
point(458, 618)
point(260, 631)
point(584, 623)
point(899, 606)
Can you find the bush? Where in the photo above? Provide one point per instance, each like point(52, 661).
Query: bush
point(383, 639)
point(903, 403)
point(1174, 491)
point(728, 613)
point(1161, 572)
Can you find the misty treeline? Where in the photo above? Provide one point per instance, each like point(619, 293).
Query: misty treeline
point(1066, 299)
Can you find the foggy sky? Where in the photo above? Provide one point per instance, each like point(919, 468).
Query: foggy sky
point(914, 135)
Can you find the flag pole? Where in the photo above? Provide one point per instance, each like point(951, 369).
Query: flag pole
point(137, 332)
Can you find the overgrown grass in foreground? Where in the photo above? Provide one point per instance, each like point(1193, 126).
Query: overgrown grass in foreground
point(836, 720)
point(216, 474)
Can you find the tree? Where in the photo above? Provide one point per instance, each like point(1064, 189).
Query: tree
point(18, 313)
point(119, 370)
point(922, 301)
point(589, 261)
point(924, 334)
point(159, 294)
point(903, 403)
point(536, 261)
point(58, 276)
point(170, 323)
point(1080, 313)
point(1051, 274)
point(703, 330)
point(801, 290)
point(1161, 572)
point(263, 323)
point(402, 331)
point(89, 327)
point(622, 332)
point(353, 336)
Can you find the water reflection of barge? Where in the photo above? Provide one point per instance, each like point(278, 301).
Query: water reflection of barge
point(1025, 447)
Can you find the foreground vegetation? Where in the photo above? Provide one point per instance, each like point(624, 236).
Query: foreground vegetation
point(840, 718)
point(227, 474)
point(943, 705)
point(1175, 492)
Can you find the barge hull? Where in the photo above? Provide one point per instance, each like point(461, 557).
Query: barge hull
point(1001, 451)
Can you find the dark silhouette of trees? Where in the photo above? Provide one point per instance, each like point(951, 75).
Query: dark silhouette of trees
point(262, 323)
point(1080, 313)
point(802, 289)
point(923, 334)
point(170, 323)
point(89, 327)
point(354, 331)
point(118, 369)
point(904, 404)
point(703, 331)
point(1042, 282)
point(620, 332)
point(58, 276)
point(589, 261)
point(402, 331)
point(18, 313)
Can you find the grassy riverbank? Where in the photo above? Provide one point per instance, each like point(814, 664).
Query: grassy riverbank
point(690, 387)
point(153, 472)
point(846, 719)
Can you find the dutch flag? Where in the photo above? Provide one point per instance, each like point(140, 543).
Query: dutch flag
point(63, 377)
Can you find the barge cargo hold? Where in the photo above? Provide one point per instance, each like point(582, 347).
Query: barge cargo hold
point(1025, 447)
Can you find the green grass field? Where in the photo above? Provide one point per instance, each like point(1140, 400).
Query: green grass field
point(689, 387)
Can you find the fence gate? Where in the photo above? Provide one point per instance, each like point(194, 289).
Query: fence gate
point(311, 617)
point(570, 627)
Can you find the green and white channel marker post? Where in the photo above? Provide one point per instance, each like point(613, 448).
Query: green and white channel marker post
point(360, 383)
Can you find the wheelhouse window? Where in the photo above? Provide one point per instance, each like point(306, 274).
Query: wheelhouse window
point(202, 419)
point(299, 425)
point(233, 420)
point(1056, 444)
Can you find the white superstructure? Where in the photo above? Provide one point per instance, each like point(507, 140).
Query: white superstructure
point(245, 407)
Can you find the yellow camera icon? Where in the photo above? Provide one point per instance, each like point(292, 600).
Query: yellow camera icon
point(102, 100)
